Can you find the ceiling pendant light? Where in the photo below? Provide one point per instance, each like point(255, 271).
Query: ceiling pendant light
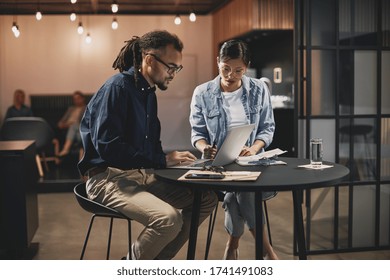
point(177, 20)
point(73, 1)
point(114, 7)
point(114, 24)
point(38, 15)
point(192, 17)
point(80, 28)
point(88, 39)
point(15, 29)
point(73, 16)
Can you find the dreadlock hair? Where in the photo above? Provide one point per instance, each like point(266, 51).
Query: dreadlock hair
point(131, 54)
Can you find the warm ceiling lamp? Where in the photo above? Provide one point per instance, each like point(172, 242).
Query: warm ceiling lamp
point(192, 17)
point(114, 24)
point(73, 1)
point(38, 15)
point(177, 20)
point(80, 28)
point(88, 39)
point(73, 16)
point(114, 7)
point(15, 29)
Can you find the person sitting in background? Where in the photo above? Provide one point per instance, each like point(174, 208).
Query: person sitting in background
point(70, 122)
point(19, 109)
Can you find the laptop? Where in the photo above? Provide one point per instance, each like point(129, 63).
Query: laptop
point(228, 152)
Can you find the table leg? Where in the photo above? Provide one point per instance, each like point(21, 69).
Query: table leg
point(298, 224)
point(259, 225)
point(194, 225)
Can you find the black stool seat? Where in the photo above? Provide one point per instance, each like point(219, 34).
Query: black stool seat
point(98, 210)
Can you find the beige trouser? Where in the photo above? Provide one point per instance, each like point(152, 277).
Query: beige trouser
point(164, 210)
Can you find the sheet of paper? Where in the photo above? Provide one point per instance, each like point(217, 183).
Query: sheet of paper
point(315, 167)
point(229, 176)
point(254, 160)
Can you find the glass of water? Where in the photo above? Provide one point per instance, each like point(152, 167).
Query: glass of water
point(316, 152)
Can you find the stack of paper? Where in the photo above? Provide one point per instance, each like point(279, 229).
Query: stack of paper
point(228, 176)
point(265, 158)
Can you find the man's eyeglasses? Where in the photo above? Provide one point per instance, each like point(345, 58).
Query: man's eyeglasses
point(226, 71)
point(171, 69)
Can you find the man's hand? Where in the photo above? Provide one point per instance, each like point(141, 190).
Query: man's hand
point(176, 157)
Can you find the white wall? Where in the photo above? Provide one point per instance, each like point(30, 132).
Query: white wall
point(50, 57)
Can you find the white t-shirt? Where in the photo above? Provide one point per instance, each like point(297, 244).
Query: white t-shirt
point(234, 108)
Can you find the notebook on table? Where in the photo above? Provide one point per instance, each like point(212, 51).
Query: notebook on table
point(230, 149)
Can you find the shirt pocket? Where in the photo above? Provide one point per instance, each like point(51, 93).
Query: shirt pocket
point(213, 113)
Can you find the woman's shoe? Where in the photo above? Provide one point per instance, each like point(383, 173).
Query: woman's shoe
point(230, 254)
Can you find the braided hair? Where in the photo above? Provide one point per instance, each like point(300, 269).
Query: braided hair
point(131, 53)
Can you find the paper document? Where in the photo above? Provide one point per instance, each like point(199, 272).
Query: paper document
point(228, 176)
point(265, 158)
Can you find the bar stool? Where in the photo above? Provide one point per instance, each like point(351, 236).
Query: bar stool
point(99, 210)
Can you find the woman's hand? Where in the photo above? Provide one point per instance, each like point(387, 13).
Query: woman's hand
point(209, 151)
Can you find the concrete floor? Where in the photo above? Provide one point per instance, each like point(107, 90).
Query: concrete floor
point(63, 225)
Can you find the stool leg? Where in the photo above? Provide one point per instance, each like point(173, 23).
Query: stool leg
point(267, 220)
point(109, 239)
point(213, 217)
point(87, 237)
point(129, 241)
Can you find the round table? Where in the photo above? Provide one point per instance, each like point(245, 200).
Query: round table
point(287, 177)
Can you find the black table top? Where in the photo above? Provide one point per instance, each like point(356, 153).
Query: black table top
point(272, 178)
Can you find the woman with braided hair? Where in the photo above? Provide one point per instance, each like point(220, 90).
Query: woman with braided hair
point(120, 132)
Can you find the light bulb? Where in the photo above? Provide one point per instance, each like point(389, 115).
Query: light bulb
point(114, 7)
point(73, 16)
point(177, 20)
point(38, 15)
point(73, 1)
point(114, 24)
point(88, 39)
point(17, 33)
point(14, 27)
point(192, 17)
point(80, 28)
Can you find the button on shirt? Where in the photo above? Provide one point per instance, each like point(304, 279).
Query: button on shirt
point(120, 127)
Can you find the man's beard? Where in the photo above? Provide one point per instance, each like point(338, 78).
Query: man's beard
point(161, 86)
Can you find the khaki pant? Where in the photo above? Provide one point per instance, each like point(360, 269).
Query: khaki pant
point(164, 210)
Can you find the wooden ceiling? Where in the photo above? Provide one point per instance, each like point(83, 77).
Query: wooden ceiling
point(91, 7)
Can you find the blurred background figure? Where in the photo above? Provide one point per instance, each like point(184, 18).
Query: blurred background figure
point(70, 123)
point(19, 109)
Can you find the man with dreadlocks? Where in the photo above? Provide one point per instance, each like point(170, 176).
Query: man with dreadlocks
point(120, 132)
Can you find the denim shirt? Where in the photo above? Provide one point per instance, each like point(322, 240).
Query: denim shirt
point(120, 127)
point(208, 118)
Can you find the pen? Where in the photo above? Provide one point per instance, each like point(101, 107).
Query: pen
point(214, 144)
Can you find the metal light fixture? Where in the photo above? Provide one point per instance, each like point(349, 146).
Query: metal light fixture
point(177, 20)
point(114, 24)
point(114, 7)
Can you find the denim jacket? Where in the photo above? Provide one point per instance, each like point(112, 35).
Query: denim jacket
point(208, 118)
